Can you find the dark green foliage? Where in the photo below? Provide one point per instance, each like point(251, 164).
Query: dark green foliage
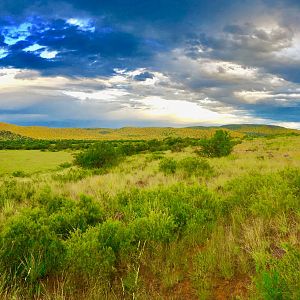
point(25, 143)
point(10, 136)
point(65, 165)
point(102, 155)
point(219, 145)
point(270, 286)
point(20, 174)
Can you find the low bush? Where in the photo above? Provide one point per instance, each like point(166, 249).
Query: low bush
point(265, 195)
point(86, 257)
point(168, 166)
point(102, 155)
point(32, 242)
point(29, 248)
point(195, 166)
point(157, 227)
point(20, 174)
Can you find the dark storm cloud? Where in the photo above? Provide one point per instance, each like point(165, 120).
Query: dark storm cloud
point(99, 51)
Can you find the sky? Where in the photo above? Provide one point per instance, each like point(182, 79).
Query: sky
point(115, 63)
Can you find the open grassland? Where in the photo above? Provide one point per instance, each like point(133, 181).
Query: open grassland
point(31, 161)
point(228, 229)
point(136, 133)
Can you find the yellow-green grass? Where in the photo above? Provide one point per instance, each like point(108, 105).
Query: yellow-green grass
point(140, 171)
point(134, 133)
point(31, 161)
point(259, 155)
point(220, 266)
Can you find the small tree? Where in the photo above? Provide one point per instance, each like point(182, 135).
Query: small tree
point(219, 145)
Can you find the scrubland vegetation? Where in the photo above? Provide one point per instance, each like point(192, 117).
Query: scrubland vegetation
point(213, 218)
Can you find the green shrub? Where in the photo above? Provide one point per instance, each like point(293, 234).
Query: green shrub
point(195, 166)
point(264, 194)
point(167, 166)
point(32, 242)
point(66, 215)
point(96, 251)
point(157, 226)
point(86, 257)
point(102, 155)
point(179, 202)
point(29, 248)
point(20, 174)
point(219, 145)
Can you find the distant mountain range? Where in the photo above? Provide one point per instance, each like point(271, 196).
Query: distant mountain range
point(11, 131)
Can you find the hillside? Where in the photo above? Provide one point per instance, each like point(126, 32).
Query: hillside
point(255, 129)
point(140, 133)
point(260, 130)
point(10, 136)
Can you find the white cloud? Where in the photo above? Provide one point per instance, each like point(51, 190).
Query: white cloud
point(105, 95)
point(14, 34)
point(122, 99)
point(82, 24)
point(3, 53)
point(48, 54)
point(33, 48)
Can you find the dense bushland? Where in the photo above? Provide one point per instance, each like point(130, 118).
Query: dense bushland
point(105, 154)
point(246, 229)
point(49, 145)
point(161, 224)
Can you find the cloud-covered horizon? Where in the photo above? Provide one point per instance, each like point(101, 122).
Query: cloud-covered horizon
point(149, 63)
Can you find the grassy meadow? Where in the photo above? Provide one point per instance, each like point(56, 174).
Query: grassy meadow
point(31, 161)
point(167, 224)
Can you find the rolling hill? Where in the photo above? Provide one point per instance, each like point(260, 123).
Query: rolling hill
point(137, 133)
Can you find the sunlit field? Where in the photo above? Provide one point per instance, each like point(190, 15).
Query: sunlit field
point(165, 224)
point(31, 161)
